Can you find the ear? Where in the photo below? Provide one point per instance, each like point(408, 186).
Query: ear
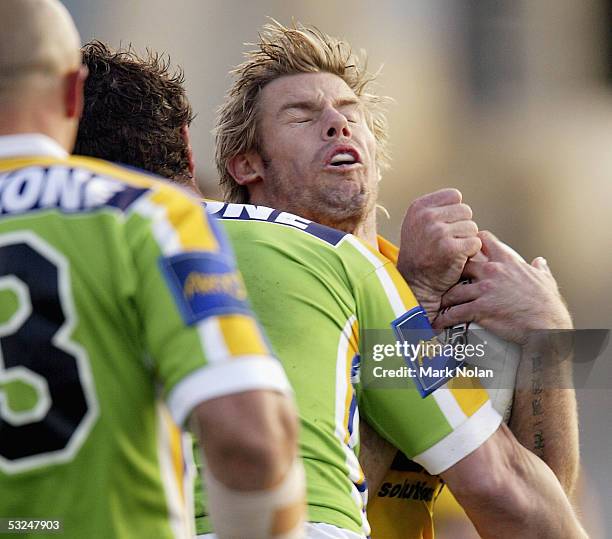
point(73, 94)
point(246, 168)
point(187, 138)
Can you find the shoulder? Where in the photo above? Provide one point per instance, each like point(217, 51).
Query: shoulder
point(277, 222)
point(75, 184)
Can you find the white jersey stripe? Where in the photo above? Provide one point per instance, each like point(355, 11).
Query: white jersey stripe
point(393, 295)
point(468, 437)
point(212, 340)
point(243, 373)
point(165, 234)
point(344, 391)
point(449, 406)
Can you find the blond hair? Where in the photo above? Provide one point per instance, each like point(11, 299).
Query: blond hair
point(287, 51)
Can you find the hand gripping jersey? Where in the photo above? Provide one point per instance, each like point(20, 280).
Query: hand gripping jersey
point(315, 290)
point(115, 290)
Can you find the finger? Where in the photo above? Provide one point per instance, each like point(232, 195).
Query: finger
point(466, 312)
point(541, 263)
point(480, 257)
point(496, 250)
point(460, 293)
point(474, 269)
point(469, 246)
point(454, 212)
point(443, 197)
point(464, 229)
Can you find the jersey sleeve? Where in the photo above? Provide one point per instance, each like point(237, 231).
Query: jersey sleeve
point(196, 321)
point(436, 431)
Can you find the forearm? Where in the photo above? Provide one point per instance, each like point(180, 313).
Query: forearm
point(255, 482)
point(543, 513)
point(518, 496)
point(544, 414)
point(375, 456)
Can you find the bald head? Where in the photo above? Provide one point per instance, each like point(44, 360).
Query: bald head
point(38, 39)
point(41, 76)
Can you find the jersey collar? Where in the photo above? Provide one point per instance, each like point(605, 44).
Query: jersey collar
point(30, 144)
point(387, 249)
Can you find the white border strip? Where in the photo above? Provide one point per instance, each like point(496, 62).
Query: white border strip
point(244, 373)
point(461, 442)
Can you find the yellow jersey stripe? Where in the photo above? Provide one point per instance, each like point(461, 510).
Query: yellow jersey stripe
point(469, 394)
point(177, 458)
point(191, 227)
point(351, 350)
point(242, 335)
point(21, 162)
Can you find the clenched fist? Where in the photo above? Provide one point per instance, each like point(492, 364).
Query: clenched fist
point(438, 236)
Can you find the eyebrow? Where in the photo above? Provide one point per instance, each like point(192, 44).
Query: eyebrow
point(313, 105)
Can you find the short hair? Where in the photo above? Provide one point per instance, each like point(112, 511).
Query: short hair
point(134, 111)
point(287, 51)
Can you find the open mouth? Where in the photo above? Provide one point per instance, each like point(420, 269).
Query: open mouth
point(343, 157)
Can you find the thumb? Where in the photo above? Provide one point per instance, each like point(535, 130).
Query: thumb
point(496, 250)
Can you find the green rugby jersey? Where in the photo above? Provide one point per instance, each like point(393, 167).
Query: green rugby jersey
point(313, 289)
point(116, 291)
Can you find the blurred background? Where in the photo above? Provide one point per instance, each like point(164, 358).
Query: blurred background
point(508, 100)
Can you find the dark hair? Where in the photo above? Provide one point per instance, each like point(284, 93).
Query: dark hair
point(134, 111)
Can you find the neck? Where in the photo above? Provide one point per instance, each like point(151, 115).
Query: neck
point(366, 230)
point(17, 120)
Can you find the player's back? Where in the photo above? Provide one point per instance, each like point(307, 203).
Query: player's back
point(82, 433)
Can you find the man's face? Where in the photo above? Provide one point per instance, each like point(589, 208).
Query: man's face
point(318, 152)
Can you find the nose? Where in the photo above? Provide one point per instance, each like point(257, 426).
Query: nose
point(335, 125)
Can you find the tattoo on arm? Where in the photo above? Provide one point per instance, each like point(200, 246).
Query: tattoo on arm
point(537, 408)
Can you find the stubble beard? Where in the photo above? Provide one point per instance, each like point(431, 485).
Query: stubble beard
point(319, 203)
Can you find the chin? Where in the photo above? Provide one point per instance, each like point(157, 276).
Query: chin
point(342, 214)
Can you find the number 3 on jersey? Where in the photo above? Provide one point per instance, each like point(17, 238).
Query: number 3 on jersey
point(47, 398)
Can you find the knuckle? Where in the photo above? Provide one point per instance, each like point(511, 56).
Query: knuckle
point(485, 286)
point(439, 230)
point(447, 246)
point(428, 214)
point(492, 269)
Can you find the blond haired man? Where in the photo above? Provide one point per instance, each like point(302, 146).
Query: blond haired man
point(101, 338)
point(300, 132)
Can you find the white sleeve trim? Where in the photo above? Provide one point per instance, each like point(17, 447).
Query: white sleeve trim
point(244, 373)
point(465, 439)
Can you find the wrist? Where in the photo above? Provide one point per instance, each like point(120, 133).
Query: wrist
point(428, 299)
